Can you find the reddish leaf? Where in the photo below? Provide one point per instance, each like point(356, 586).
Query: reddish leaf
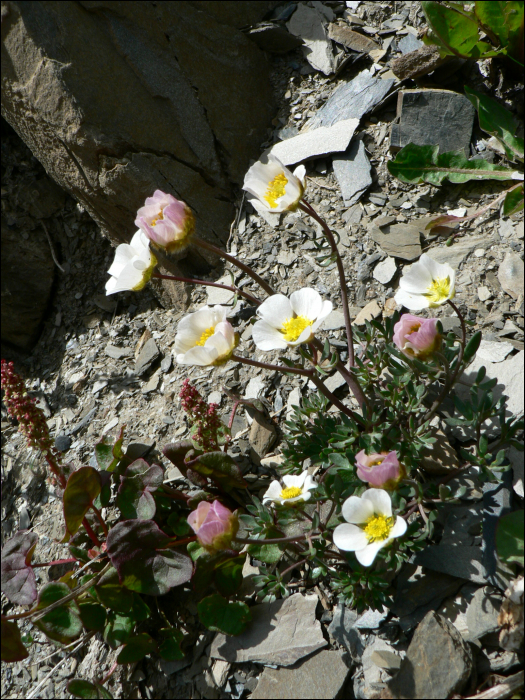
point(18, 578)
point(139, 481)
point(138, 549)
point(83, 486)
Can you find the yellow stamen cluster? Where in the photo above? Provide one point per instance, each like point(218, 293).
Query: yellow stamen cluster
point(293, 327)
point(439, 291)
point(378, 528)
point(157, 218)
point(276, 189)
point(207, 334)
point(290, 492)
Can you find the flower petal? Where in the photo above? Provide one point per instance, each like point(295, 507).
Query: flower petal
point(325, 310)
point(357, 510)
point(273, 491)
point(266, 337)
point(300, 174)
point(295, 479)
point(349, 538)
point(367, 555)
point(417, 279)
point(309, 483)
point(399, 528)
point(414, 302)
point(275, 310)
point(307, 302)
point(199, 355)
point(380, 500)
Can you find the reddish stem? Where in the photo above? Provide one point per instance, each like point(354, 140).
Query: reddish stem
point(190, 280)
point(57, 561)
point(91, 534)
point(277, 368)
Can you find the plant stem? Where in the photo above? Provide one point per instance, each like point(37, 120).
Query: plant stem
point(293, 566)
point(89, 530)
point(333, 399)
point(108, 675)
point(462, 342)
point(222, 254)
point(275, 540)
point(308, 209)
point(277, 368)
point(190, 280)
point(347, 376)
point(57, 561)
point(100, 520)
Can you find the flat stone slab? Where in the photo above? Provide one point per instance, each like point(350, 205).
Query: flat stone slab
point(147, 356)
point(352, 100)
point(352, 170)
point(494, 351)
point(350, 39)
point(368, 313)
point(433, 117)
point(309, 24)
point(280, 633)
point(438, 662)
point(460, 249)
point(398, 240)
point(313, 143)
point(385, 270)
point(510, 275)
point(216, 295)
point(320, 676)
point(462, 561)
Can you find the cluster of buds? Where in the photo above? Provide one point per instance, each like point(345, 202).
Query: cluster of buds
point(31, 421)
point(202, 416)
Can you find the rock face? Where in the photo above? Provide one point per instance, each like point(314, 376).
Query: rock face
point(117, 99)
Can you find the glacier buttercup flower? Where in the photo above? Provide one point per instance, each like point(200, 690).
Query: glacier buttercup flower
point(276, 187)
point(205, 337)
point(132, 267)
point(296, 489)
point(426, 283)
point(214, 525)
point(417, 337)
point(168, 222)
point(288, 322)
point(369, 526)
point(381, 470)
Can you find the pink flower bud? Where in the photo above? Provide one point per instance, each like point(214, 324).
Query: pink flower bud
point(166, 221)
point(214, 525)
point(382, 471)
point(417, 337)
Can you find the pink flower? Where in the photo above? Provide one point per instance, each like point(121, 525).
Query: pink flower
point(382, 471)
point(417, 337)
point(213, 524)
point(166, 221)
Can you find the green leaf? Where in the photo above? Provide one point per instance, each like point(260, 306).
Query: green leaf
point(513, 202)
point(13, 648)
point(417, 164)
point(452, 30)
point(339, 460)
point(169, 647)
point(503, 21)
point(137, 648)
point(267, 553)
point(62, 624)
point(472, 346)
point(88, 691)
point(228, 575)
point(509, 537)
point(221, 468)
point(138, 549)
point(18, 578)
point(117, 629)
point(218, 615)
point(93, 616)
point(496, 120)
point(112, 594)
point(139, 481)
point(108, 456)
point(82, 487)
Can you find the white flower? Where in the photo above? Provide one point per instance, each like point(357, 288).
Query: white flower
point(276, 187)
point(426, 283)
point(205, 337)
point(296, 488)
point(370, 525)
point(132, 267)
point(287, 322)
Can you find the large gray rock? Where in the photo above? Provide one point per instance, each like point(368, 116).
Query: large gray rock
point(117, 99)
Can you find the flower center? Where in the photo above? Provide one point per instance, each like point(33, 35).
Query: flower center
point(293, 327)
point(439, 290)
point(276, 189)
point(207, 334)
point(290, 492)
point(377, 461)
point(159, 216)
point(378, 528)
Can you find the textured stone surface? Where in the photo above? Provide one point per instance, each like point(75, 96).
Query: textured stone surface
point(352, 40)
point(320, 676)
point(115, 100)
point(270, 37)
point(416, 63)
point(352, 170)
point(462, 561)
point(496, 502)
point(398, 240)
point(510, 275)
point(433, 117)
point(438, 662)
point(262, 437)
point(309, 24)
point(440, 457)
point(494, 351)
point(385, 270)
point(369, 312)
point(342, 629)
point(147, 356)
point(318, 142)
point(280, 633)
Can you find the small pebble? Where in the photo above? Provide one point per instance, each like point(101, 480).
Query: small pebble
point(62, 443)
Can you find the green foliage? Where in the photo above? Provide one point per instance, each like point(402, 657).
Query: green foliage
point(83, 486)
point(136, 648)
point(13, 648)
point(62, 623)
point(139, 481)
point(361, 589)
point(496, 120)
point(170, 644)
point(509, 537)
point(513, 201)
point(87, 691)
point(415, 164)
point(218, 615)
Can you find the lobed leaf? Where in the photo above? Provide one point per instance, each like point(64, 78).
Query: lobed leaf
point(82, 487)
point(13, 648)
point(221, 468)
point(63, 623)
point(509, 537)
point(93, 616)
point(169, 647)
point(138, 549)
point(136, 648)
point(218, 615)
point(80, 688)
point(18, 577)
point(118, 629)
point(417, 164)
point(139, 481)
